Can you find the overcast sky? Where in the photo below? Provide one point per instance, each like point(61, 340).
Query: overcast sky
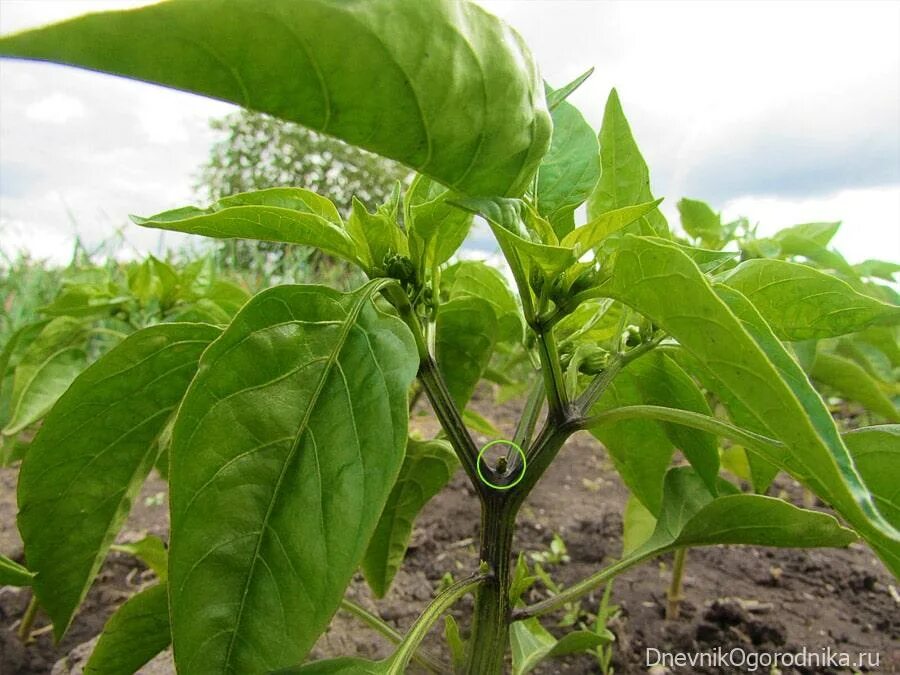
point(781, 112)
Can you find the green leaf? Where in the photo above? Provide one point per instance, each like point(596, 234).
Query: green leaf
point(151, 551)
point(570, 170)
point(268, 215)
point(92, 454)
point(465, 335)
point(701, 222)
point(880, 269)
point(134, 634)
point(796, 239)
point(477, 279)
point(465, 99)
point(532, 643)
point(590, 236)
point(801, 303)
point(428, 467)
point(690, 516)
point(284, 453)
point(557, 96)
point(639, 448)
point(47, 367)
point(876, 454)
point(504, 216)
point(436, 228)
point(13, 574)
point(852, 382)
point(456, 645)
point(721, 329)
point(637, 525)
point(642, 448)
point(377, 235)
point(624, 178)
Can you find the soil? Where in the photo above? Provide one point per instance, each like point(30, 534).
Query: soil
point(760, 600)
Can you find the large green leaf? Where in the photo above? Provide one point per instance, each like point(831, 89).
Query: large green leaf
point(268, 215)
point(625, 178)
point(465, 335)
point(721, 329)
point(850, 380)
point(138, 631)
point(13, 574)
point(428, 467)
point(642, 448)
point(283, 455)
point(876, 454)
point(570, 169)
point(639, 448)
point(92, 454)
point(801, 303)
point(690, 516)
point(49, 363)
point(441, 86)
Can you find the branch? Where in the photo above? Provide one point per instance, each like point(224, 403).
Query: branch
point(599, 384)
point(378, 625)
point(435, 387)
point(583, 587)
point(686, 418)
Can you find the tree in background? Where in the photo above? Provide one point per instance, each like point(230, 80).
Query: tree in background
point(259, 152)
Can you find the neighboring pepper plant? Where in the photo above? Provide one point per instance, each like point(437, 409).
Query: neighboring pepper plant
point(286, 428)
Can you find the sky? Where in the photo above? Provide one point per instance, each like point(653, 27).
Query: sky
point(781, 112)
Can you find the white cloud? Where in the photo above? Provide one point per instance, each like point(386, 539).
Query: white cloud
point(56, 108)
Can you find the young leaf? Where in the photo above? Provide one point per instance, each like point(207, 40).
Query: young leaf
point(377, 235)
point(876, 454)
point(590, 236)
point(134, 634)
point(45, 370)
point(570, 170)
point(151, 551)
point(92, 454)
point(477, 279)
point(532, 643)
point(801, 303)
point(13, 574)
point(881, 269)
point(427, 468)
point(436, 228)
point(701, 222)
point(557, 96)
point(283, 455)
point(466, 103)
point(465, 335)
point(851, 381)
point(750, 365)
point(268, 215)
point(624, 177)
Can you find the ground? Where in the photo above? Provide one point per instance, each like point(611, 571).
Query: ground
point(763, 600)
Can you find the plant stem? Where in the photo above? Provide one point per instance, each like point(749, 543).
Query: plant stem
point(490, 622)
point(673, 597)
point(599, 384)
point(28, 619)
point(557, 399)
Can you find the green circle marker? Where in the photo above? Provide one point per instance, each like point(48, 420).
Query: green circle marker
point(489, 483)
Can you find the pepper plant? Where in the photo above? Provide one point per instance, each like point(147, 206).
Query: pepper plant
point(286, 428)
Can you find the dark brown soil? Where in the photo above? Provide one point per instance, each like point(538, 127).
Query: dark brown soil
point(761, 600)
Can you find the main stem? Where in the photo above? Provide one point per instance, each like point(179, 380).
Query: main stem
point(490, 622)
